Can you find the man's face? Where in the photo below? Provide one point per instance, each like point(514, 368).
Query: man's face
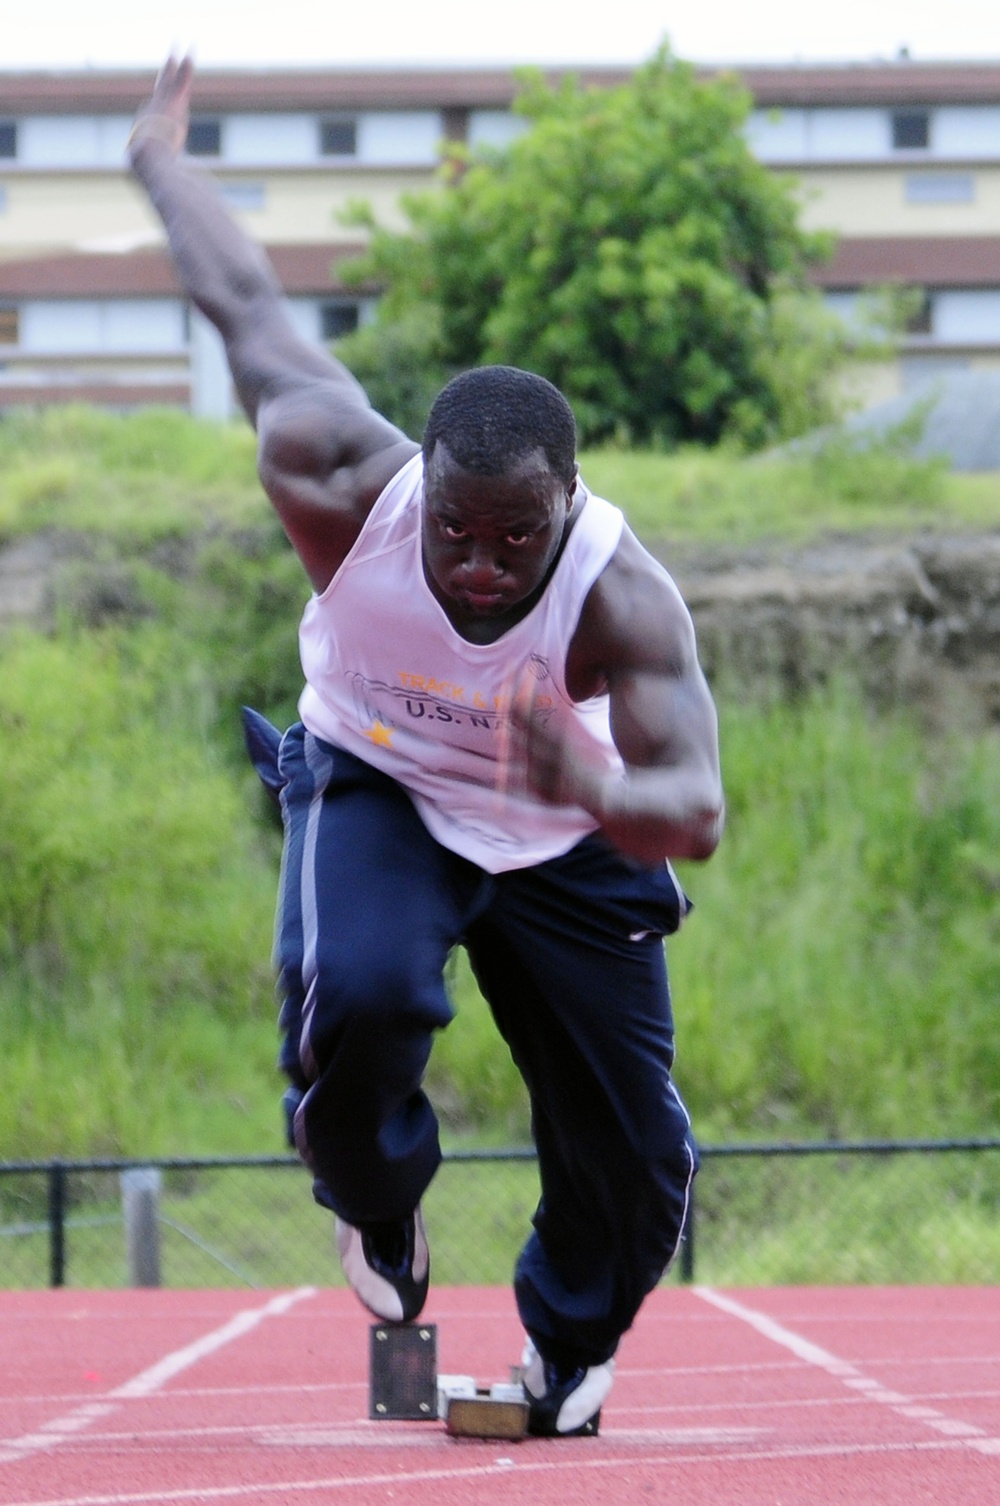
point(489, 541)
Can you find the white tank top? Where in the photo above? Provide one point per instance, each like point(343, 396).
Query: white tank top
point(389, 679)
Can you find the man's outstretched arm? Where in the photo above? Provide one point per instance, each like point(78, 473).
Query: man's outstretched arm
point(325, 454)
point(222, 270)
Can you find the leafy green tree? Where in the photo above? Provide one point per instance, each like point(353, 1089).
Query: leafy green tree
point(629, 247)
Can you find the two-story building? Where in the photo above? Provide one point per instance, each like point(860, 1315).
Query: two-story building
point(901, 160)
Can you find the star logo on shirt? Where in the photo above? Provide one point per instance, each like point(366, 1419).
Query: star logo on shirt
point(380, 735)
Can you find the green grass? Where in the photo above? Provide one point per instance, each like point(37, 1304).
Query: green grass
point(904, 1218)
point(841, 968)
point(151, 476)
point(712, 497)
point(839, 974)
point(136, 906)
point(159, 475)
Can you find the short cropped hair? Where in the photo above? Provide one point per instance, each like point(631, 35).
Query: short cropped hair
point(493, 417)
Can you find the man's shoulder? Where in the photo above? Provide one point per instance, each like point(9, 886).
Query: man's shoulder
point(634, 611)
point(634, 579)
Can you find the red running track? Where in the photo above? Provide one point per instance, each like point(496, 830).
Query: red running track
point(771, 1397)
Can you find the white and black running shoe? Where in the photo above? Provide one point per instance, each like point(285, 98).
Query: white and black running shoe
point(388, 1265)
point(564, 1400)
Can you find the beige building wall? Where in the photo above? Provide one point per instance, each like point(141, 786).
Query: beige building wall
point(867, 383)
point(59, 211)
point(873, 200)
point(304, 206)
point(107, 212)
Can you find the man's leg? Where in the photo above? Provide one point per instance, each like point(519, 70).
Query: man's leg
point(370, 907)
point(571, 959)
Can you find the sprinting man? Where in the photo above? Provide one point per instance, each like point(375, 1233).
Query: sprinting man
point(505, 735)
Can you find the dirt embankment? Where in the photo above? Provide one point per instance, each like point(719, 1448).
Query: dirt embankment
point(917, 617)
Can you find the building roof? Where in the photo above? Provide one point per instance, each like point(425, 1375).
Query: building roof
point(942, 261)
point(902, 82)
point(111, 392)
point(311, 268)
point(121, 91)
point(149, 273)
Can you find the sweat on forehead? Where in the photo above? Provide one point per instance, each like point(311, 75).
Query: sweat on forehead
point(493, 417)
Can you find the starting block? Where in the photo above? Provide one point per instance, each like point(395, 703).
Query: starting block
point(471, 1411)
point(403, 1371)
point(404, 1386)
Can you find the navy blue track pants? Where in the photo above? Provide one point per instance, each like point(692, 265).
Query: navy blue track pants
point(568, 955)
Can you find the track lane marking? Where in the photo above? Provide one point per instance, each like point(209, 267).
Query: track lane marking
point(364, 1432)
point(504, 1467)
point(921, 1409)
point(967, 1434)
point(50, 1434)
point(360, 1386)
point(188, 1392)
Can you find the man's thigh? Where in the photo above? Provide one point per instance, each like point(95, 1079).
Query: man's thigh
point(570, 955)
point(371, 903)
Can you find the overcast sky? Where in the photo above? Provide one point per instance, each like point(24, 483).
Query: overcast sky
point(73, 33)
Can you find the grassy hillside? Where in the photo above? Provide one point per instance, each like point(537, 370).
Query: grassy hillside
point(839, 974)
point(159, 475)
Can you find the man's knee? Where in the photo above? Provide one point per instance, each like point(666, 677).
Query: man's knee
point(372, 1009)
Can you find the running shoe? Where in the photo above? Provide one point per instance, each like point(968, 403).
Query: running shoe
point(388, 1265)
point(564, 1400)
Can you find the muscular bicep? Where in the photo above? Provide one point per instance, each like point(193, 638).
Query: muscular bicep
point(635, 641)
point(664, 717)
point(637, 635)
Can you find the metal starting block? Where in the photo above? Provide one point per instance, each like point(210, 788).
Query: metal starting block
point(471, 1411)
point(403, 1371)
point(404, 1386)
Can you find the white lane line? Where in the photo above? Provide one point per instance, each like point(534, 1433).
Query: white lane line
point(365, 1434)
point(183, 1393)
point(182, 1359)
point(872, 1390)
point(573, 1461)
point(50, 1434)
point(305, 1435)
point(800, 1403)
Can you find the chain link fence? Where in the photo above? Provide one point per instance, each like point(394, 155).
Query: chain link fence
point(886, 1213)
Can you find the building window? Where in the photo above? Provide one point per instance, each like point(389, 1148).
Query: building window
point(911, 130)
point(8, 138)
point(967, 316)
point(204, 137)
point(9, 326)
point(919, 315)
point(337, 319)
point(245, 196)
point(918, 371)
point(338, 138)
point(940, 188)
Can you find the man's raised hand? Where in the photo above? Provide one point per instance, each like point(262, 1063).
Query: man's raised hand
point(166, 115)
